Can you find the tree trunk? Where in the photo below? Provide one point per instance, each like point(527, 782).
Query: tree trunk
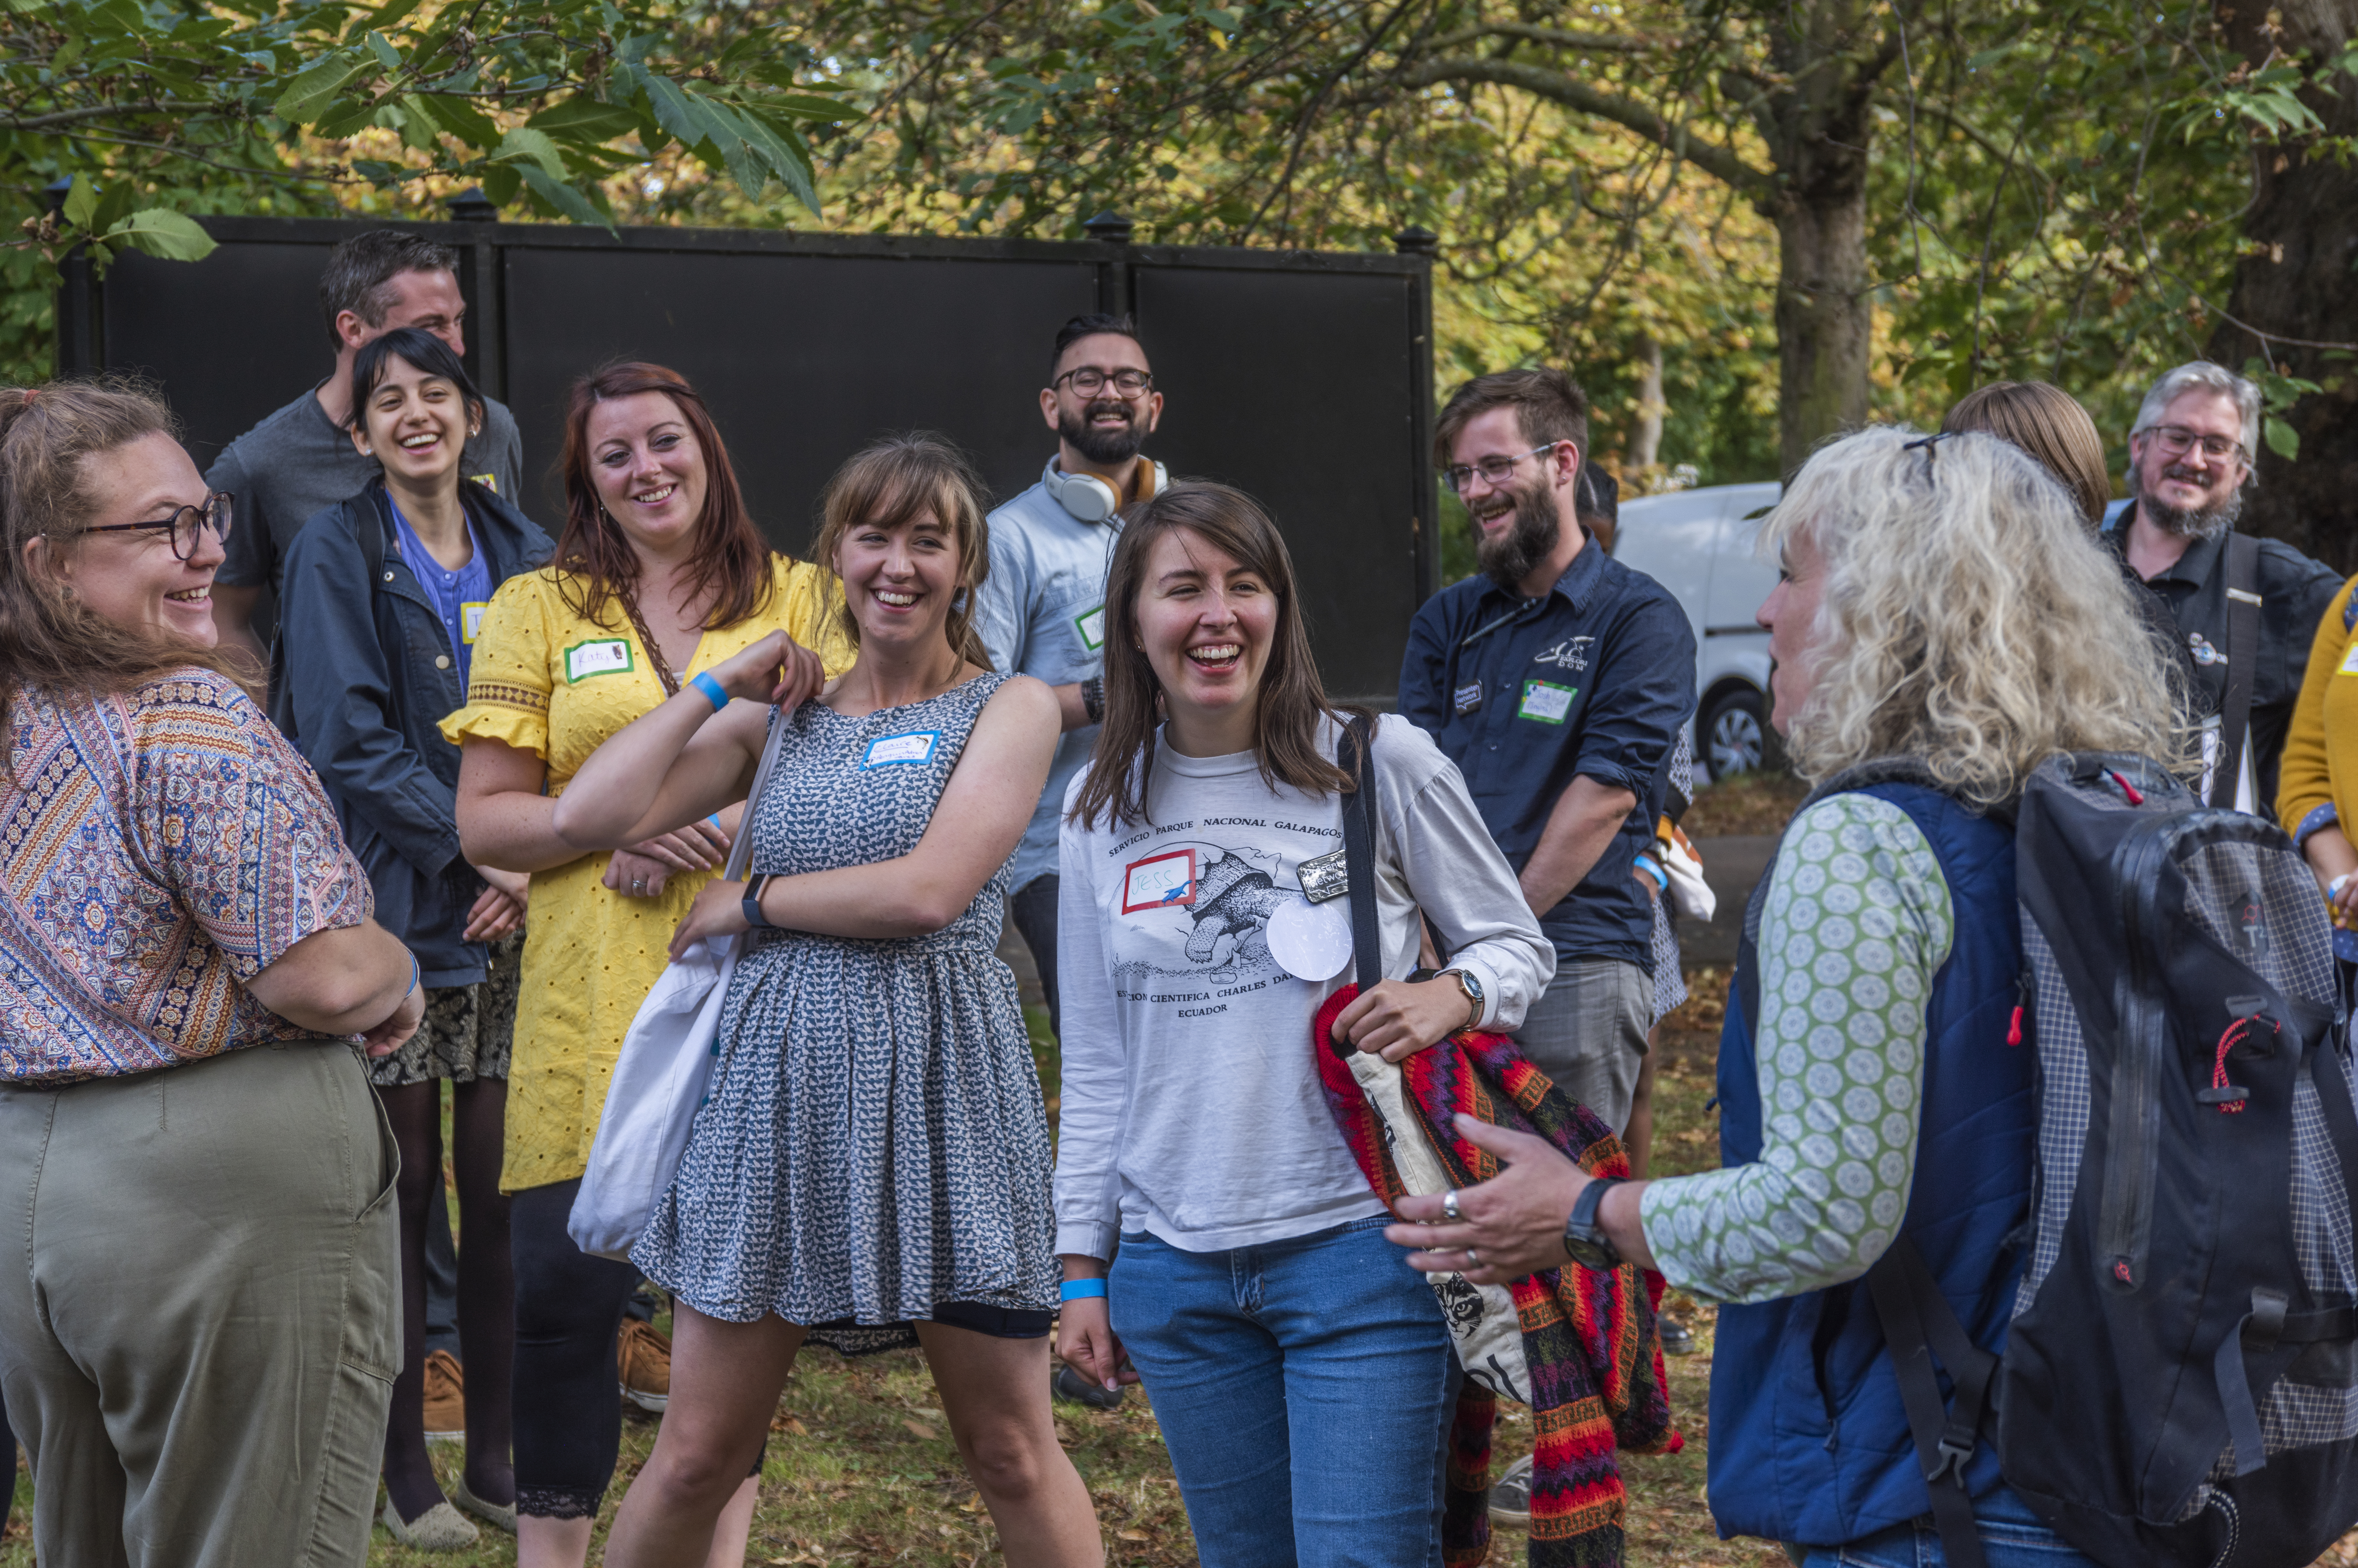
point(1646, 445)
point(2299, 280)
point(1819, 125)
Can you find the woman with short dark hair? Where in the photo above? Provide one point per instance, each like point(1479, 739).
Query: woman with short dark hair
point(659, 576)
point(385, 594)
point(197, 1328)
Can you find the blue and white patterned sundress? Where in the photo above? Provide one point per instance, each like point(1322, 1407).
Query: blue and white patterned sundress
point(874, 1143)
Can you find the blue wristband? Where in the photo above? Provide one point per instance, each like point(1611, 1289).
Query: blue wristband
point(711, 690)
point(1080, 1290)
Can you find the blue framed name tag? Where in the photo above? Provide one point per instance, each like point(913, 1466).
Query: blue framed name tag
point(917, 746)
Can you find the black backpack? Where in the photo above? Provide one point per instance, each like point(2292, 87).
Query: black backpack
point(2179, 1384)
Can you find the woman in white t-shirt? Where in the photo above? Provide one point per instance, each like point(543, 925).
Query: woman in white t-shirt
point(1300, 1371)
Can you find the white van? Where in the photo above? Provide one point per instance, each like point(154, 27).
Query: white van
point(1699, 545)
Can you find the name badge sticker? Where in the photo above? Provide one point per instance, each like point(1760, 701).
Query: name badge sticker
point(1546, 702)
point(606, 656)
point(1090, 624)
point(1159, 882)
point(1468, 696)
point(470, 620)
point(917, 746)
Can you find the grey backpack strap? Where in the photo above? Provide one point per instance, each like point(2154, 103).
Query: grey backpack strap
point(2242, 562)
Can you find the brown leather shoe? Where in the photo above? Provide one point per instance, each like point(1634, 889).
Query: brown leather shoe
point(446, 1398)
point(644, 1358)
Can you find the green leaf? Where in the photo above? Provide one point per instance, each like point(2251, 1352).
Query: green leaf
point(159, 232)
point(82, 203)
point(524, 145)
point(463, 120)
point(419, 125)
point(113, 205)
point(386, 55)
point(385, 17)
point(316, 84)
point(2281, 438)
point(676, 113)
point(787, 158)
point(583, 118)
point(342, 117)
point(562, 197)
point(501, 183)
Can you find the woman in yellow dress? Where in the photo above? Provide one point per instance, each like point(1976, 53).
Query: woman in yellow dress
point(659, 576)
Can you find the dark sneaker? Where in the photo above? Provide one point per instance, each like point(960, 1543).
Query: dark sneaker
point(1067, 1384)
point(1678, 1339)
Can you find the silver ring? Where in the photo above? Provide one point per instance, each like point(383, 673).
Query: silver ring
point(639, 885)
point(1472, 1259)
point(1449, 1206)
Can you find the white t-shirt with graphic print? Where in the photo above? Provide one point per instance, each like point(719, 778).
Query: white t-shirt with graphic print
point(1190, 1105)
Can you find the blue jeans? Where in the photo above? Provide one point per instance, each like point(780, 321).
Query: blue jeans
point(1304, 1389)
point(2012, 1537)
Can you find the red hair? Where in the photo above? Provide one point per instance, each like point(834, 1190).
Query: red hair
point(728, 558)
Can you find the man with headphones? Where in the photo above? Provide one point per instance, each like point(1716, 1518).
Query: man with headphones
point(1042, 611)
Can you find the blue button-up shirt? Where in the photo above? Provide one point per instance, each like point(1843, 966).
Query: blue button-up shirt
point(1525, 694)
point(1042, 612)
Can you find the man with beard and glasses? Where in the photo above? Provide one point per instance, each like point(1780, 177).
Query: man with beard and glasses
point(1557, 681)
point(2189, 460)
point(1041, 610)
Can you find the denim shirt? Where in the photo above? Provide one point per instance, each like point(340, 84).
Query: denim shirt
point(1042, 612)
point(1592, 680)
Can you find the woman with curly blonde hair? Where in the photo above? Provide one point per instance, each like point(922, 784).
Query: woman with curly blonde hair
point(1942, 624)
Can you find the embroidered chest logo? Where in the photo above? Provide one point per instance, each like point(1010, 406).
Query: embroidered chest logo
point(1159, 882)
point(1572, 654)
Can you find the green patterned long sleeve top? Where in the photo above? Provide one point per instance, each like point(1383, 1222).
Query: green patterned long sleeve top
point(1857, 924)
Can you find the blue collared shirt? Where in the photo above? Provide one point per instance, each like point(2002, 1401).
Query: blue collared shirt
point(458, 597)
point(1593, 680)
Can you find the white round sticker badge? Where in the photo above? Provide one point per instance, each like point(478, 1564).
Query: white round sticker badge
point(1310, 941)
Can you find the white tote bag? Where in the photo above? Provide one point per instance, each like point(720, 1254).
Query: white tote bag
point(660, 1078)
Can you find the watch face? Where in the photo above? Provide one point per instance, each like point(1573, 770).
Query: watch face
point(1598, 1254)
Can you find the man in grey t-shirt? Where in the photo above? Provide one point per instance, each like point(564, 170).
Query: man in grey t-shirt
point(300, 461)
point(1041, 610)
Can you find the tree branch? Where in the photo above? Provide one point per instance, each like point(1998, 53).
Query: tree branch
point(1717, 161)
point(1554, 37)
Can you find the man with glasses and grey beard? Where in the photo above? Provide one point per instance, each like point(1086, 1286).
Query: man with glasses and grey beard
point(2248, 608)
point(1041, 610)
point(1557, 681)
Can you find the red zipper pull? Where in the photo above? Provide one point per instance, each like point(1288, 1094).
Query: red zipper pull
point(2014, 1030)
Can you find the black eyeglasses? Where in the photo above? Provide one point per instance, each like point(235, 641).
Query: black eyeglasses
point(186, 522)
point(1931, 446)
point(1088, 381)
point(2176, 440)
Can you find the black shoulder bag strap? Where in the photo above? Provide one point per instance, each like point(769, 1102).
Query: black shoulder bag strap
point(1917, 1325)
point(1352, 754)
point(2243, 566)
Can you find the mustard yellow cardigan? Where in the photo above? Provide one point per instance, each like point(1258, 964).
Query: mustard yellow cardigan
point(2321, 756)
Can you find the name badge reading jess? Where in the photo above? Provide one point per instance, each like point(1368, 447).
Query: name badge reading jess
point(606, 656)
point(1546, 702)
point(470, 620)
point(914, 747)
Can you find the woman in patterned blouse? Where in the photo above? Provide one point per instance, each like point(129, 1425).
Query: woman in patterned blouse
point(200, 1330)
point(1941, 603)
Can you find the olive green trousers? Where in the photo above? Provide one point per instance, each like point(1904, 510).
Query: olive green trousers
point(200, 1318)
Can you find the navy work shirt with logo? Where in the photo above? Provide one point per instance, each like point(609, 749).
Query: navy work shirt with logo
point(1592, 680)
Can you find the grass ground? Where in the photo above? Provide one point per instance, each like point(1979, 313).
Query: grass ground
point(860, 1472)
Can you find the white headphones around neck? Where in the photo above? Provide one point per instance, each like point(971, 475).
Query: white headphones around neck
point(1087, 496)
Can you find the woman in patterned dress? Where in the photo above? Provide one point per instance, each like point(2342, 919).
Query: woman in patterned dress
point(659, 575)
point(200, 1319)
point(871, 1166)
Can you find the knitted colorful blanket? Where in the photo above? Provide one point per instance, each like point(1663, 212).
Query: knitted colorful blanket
point(1596, 1361)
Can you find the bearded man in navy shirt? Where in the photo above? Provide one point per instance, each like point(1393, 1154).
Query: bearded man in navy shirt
point(1556, 680)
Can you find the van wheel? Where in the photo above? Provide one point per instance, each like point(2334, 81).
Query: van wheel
point(1734, 733)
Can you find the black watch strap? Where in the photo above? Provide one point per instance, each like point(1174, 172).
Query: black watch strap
point(753, 915)
point(1583, 1242)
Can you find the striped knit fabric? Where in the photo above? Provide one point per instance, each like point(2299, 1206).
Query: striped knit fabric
point(1595, 1362)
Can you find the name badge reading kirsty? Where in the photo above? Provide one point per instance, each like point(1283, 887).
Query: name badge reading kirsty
point(1468, 696)
point(1546, 702)
point(470, 620)
point(917, 746)
point(607, 656)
